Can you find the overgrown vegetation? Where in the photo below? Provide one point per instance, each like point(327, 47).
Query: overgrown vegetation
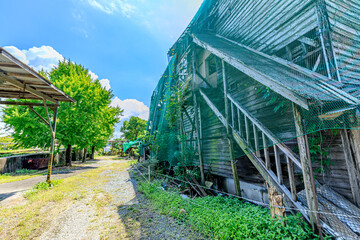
point(42, 186)
point(225, 218)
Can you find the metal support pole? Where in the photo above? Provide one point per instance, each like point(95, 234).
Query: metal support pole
point(149, 174)
point(52, 146)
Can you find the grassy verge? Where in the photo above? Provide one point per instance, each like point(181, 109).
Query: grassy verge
point(225, 218)
point(19, 175)
point(43, 204)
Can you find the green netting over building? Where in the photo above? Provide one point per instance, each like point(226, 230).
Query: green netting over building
point(266, 92)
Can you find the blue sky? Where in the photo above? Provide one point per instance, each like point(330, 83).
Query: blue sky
point(122, 42)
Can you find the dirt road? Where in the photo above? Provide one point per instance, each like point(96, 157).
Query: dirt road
point(9, 192)
point(111, 208)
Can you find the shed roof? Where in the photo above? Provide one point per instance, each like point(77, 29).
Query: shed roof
point(294, 82)
point(17, 80)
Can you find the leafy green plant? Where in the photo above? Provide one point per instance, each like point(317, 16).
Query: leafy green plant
point(225, 218)
point(318, 152)
point(42, 186)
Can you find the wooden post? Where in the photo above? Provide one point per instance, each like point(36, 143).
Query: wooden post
point(229, 136)
point(196, 119)
point(52, 146)
point(351, 167)
point(308, 176)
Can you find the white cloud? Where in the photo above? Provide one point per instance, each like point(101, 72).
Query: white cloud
point(169, 17)
point(17, 53)
point(93, 75)
point(105, 83)
point(39, 58)
point(131, 107)
point(113, 6)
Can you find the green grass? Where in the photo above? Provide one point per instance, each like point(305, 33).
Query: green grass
point(42, 186)
point(225, 218)
point(19, 175)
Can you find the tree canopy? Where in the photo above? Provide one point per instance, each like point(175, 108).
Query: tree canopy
point(88, 122)
point(134, 128)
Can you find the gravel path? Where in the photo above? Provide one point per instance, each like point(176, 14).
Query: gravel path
point(11, 193)
point(128, 215)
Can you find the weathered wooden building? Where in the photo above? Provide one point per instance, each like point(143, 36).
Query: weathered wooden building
point(259, 77)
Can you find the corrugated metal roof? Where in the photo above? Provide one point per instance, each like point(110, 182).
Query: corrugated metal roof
point(292, 81)
point(17, 80)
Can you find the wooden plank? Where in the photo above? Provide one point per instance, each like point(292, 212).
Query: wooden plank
point(308, 176)
point(278, 164)
point(351, 168)
point(266, 152)
point(229, 137)
point(290, 166)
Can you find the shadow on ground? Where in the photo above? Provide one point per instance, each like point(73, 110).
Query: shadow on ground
point(142, 221)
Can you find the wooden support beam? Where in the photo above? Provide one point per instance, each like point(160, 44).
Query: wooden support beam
point(46, 122)
point(203, 79)
point(351, 167)
point(316, 65)
point(196, 119)
point(31, 90)
point(27, 104)
point(229, 135)
point(308, 176)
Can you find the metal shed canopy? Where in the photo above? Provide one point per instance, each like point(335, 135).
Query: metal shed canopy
point(19, 81)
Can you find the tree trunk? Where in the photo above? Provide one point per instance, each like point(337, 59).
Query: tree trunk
point(68, 156)
point(84, 156)
point(92, 152)
point(73, 157)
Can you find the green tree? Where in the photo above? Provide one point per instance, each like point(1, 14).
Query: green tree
point(87, 123)
point(133, 129)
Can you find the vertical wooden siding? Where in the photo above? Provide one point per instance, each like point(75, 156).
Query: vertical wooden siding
point(344, 19)
point(265, 25)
